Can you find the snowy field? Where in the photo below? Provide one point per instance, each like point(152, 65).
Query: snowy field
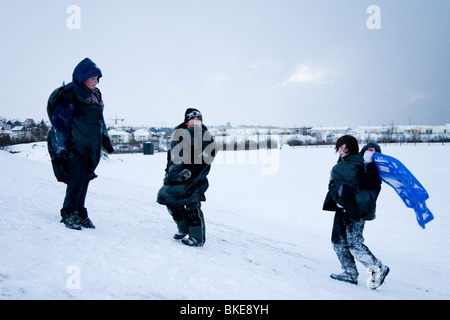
point(267, 237)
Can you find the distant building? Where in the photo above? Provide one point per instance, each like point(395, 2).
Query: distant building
point(142, 135)
point(327, 131)
point(404, 129)
point(20, 132)
point(119, 136)
point(5, 126)
point(372, 129)
point(29, 123)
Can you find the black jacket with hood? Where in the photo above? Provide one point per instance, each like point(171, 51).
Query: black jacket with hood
point(189, 159)
point(354, 185)
point(78, 126)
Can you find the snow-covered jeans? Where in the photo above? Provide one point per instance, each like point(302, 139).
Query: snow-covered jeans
point(348, 243)
point(189, 220)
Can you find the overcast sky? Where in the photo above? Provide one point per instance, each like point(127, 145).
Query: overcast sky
point(263, 62)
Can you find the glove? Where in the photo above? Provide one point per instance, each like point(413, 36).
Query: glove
point(185, 174)
point(109, 149)
point(368, 156)
point(107, 145)
point(63, 154)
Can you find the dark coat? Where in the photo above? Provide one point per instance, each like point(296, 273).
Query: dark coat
point(78, 126)
point(354, 188)
point(371, 181)
point(188, 164)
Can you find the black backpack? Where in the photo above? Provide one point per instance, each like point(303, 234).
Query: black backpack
point(54, 96)
point(57, 164)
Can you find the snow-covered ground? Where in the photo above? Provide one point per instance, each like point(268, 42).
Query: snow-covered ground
point(267, 237)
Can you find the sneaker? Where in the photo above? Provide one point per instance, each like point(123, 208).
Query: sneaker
point(86, 223)
point(346, 277)
point(179, 235)
point(71, 221)
point(379, 278)
point(191, 242)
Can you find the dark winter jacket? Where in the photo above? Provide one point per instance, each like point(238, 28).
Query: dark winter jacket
point(188, 164)
point(76, 114)
point(371, 181)
point(347, 187)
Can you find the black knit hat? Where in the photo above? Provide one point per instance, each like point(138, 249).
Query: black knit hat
point(192, 113)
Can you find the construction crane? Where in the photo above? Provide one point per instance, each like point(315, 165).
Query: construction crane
point(115, 121)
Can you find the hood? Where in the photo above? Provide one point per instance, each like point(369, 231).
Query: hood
point(84, 70)
point(371, 145)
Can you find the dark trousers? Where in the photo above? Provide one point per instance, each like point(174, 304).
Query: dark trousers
point(189, 219)
point(348, 242)
point(77, 181)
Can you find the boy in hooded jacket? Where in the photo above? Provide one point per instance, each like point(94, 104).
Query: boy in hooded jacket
point(76, 138)
point(189, 159)
point(352, 193)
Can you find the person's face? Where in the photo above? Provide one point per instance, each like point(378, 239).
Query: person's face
point(194, 122)
point(343, 151)
point(91, 83)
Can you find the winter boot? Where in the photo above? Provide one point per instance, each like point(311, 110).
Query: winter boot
point(191, 242)
point(378, 277)
point(86, 223)
point(196, 225)
point(179, 235)
point(346, 277)
point(384, 271)
point(71, 220)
